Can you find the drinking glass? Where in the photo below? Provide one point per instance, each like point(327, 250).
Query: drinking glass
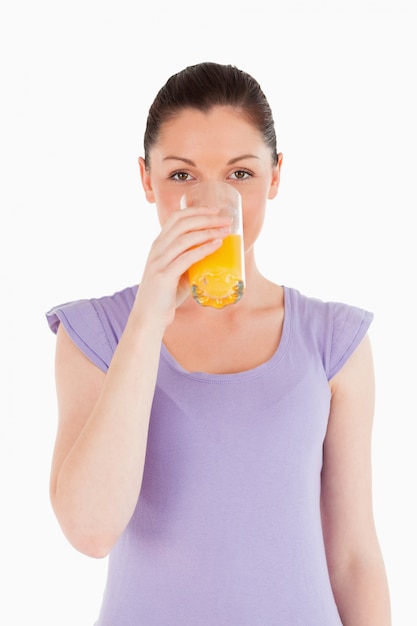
point(219, 278)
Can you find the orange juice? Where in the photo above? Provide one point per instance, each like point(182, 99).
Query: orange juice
point(218, 280)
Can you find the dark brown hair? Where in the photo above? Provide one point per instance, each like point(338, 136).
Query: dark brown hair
point(204, 86)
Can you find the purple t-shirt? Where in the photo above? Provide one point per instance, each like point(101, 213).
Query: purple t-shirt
point(227, 528)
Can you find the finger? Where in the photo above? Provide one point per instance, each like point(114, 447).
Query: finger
point(187, 220)
point(197, 241)
point(183, 261)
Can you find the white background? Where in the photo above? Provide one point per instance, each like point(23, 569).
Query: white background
point(77, 79)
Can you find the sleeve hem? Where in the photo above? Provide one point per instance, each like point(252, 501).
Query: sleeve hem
point(356, 340)
point(57, 316)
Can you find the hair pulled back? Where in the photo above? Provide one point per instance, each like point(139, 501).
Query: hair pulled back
point(204, 86)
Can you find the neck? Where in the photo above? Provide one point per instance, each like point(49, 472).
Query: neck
point(260, 293)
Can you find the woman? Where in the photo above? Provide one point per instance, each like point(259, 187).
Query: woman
point(220, 457)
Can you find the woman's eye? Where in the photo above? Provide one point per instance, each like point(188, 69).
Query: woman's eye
point(240, 175)
point(181, 176)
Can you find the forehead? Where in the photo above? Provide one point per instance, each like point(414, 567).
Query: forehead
point(220, 125)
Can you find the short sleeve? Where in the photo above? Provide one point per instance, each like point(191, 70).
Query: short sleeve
point(350, 325)
point(95, 325)
point(82, 324)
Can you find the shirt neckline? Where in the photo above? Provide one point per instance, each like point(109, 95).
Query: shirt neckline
point(254, 372)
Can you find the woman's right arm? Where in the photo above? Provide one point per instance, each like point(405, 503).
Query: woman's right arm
point(101, 440)
point(100, 447)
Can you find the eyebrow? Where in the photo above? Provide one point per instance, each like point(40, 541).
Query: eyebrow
point(192, 164)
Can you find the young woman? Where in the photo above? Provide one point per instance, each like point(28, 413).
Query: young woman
point(220, 457)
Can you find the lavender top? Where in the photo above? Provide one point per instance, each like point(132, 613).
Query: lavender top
point(227, 528)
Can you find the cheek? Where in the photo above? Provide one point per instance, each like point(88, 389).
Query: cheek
point(254, 206)
point(252, 225)
point(166, 203)
point(253, 220)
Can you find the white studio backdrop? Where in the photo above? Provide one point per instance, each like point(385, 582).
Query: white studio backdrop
point(77, 81)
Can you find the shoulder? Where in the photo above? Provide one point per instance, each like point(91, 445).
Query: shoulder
point(335, 328)
point(95, 325)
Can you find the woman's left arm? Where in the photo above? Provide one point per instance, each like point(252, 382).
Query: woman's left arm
point(356, 566)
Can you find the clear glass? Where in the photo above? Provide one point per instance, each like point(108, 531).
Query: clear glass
point(219, 279)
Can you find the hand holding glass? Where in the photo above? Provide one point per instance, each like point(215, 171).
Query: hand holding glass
point(219, 278)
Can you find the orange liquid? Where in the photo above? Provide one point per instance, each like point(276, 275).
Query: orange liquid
point(217, 280)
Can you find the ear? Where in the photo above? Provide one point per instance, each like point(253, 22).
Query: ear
point(276, 177)
point(146, 181)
